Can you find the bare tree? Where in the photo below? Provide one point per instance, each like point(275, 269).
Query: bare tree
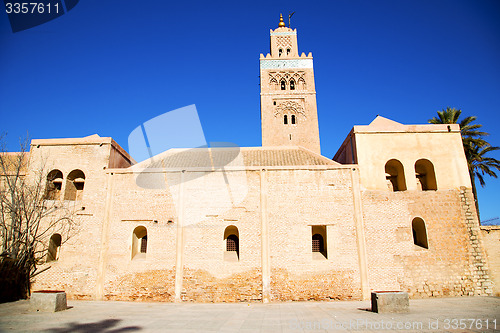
point(29, 216)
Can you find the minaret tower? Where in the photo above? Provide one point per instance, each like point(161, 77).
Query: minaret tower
point(287, 95)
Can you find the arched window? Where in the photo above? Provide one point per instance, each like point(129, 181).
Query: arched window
point(319, 241)
point(139, 242)
point(54, 247)
point(232, 239)
point(426, 178)
point(280, 52)
point(74, 185)
point(292, 85)
point(285, 119)
point(54, 185)
point(394, 174)
point(288, 51)
point(419, 233)
point(283, 85)
point(293, 119)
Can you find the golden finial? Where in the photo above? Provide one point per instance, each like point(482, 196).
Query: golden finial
point(282, 23)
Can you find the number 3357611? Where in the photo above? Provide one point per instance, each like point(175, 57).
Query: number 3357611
point(31, 8)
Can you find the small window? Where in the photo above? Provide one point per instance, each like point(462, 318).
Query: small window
point(319, 242)
point(288, 51)
point(394, 175)
point(293, 119)
point(54, 247)
point(292, 85)
point(426, 178)
point(419, 233)
point(283, 85)
point(285, 119)
point(54, 185)
point(139, 242)
point(274, 103)
point(232, 246)
point(280, 52)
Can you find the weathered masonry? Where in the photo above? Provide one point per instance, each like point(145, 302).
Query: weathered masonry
point(391, 211)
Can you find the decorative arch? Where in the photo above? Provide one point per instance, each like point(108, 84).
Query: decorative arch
point(395, 176)
point(283, 84)
point(273, 83)
point(419, 232)
point(54, 247)
point(54, 185)
point(301, 83)
point(139, 242)
point(426, 178)
point(292, 84)
point(75, 183)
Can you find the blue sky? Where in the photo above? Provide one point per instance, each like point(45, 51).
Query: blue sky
point(107, 66)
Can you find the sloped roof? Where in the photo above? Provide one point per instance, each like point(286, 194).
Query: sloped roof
point(247, 156)
point(382, 123)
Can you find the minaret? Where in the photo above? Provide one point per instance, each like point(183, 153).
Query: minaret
point(287, 95)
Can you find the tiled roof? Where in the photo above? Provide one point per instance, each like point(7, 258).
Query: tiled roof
point(248, 156)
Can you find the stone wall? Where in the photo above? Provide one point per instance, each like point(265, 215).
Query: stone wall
point(491, 242)
point(453, 264)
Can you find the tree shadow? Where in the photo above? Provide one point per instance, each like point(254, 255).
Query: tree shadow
point(103, 326)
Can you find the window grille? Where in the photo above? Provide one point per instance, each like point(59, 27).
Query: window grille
point(232, 243)
point(144, 244)
point(317, 243)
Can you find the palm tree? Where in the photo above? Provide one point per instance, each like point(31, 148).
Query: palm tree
point(475, 147)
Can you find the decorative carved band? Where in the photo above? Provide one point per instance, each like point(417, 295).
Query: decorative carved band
point(290, 106)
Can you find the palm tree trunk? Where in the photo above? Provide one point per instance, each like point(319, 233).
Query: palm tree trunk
point(473, 182)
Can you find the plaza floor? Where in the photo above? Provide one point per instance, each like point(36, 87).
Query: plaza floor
point(461, 314)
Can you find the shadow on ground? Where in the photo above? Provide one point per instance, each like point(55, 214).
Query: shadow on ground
point(103, 326)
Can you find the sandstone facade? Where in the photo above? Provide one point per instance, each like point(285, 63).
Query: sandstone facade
point(392, 211)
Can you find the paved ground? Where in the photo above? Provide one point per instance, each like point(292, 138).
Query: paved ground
point(428, 315)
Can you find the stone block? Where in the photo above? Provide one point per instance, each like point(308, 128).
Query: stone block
point(48, 301)
point(390, 302)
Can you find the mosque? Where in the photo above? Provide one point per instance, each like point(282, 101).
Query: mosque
point(392, 210)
